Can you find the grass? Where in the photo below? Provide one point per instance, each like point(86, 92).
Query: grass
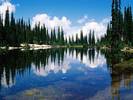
point(128, 50)
point(124, 67)
point(75, 46)
point(125, 64)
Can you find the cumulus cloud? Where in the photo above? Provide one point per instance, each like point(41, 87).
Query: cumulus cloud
point(85, 24)
point(54, 67)
point(83, 19)
point(4, 80)
point(5, 4)
point(51, 22)
point(99, 27)
point(99, 60)
point(5, 0)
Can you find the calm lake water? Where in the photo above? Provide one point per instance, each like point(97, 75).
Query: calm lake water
point(64, 74)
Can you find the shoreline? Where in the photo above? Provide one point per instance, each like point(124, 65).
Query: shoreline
point(38, 47)
point(44, 46)
point(127, 50)
point(27, 47)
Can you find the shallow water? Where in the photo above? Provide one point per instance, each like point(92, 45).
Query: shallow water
point(64, 74)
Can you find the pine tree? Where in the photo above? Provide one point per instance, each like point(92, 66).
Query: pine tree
point(77, 39)
point(93, 39)
point(6, 27)
point(54, 36)
point(90, 38)
point(12, 31)
point(81, 37)
point(85, 41)
point(1, 32)
point(59, 35)
point(70, 41)
point(62, 37)
point(130, 32)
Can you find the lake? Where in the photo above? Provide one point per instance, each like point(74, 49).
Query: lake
point(64, 74)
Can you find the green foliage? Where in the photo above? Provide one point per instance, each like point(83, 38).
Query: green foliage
point(88, 40)
point(120, 29)
point(14, 32)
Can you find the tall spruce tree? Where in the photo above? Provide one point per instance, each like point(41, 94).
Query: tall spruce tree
point(6, 27)
point(90, 38)
point(12, 31)
point(81, 37)
point(93, 39)
point(1, 32)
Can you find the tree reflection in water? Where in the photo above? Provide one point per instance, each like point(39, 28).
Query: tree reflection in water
point(16, 62)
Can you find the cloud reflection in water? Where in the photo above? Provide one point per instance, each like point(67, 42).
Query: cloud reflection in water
point(98, 61)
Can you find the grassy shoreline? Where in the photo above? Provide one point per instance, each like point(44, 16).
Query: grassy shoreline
point(44, 46)
point(125, 66)
point(37, 46)
point(127, 49)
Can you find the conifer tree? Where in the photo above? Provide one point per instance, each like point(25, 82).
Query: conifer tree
point(93, 39)
point(1, 32)
point(6, 27)
point(90, 38)
point(81, 37)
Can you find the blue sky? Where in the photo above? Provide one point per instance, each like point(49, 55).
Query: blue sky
point(73, 9)
point(72, 15)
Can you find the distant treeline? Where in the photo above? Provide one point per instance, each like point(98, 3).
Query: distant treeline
point(120, 29)
point(88, 40)
point(15, 32)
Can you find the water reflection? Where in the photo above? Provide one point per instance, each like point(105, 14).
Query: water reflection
point(74, 72)
point(122, 78)
point(90, 59)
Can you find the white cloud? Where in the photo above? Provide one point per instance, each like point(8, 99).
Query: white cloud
point(85, 23)
point(82, 20)
point(51, 22)
point(99, 60)
point(98, 27)
point(4, 80)
point(91, 24)
point(51, 67)
point(5, 0)
point(6, 5)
